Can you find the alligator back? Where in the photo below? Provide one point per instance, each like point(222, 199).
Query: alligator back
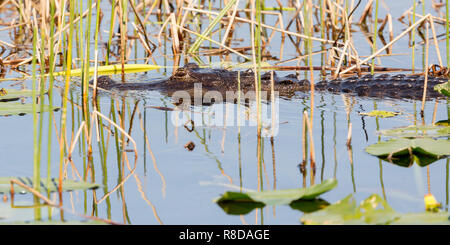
point(393, 86)
point(191, 78)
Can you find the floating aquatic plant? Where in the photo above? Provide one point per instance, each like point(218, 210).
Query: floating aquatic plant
point(443, 88)
point(10, 108)
point(405, 151)
point(414, 131)
point(378, 113)
point(51, 186)
point(112, 69)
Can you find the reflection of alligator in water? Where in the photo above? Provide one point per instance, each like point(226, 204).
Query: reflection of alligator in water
point(221, 80)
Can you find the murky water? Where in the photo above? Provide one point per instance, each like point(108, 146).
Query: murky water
point(172, 185)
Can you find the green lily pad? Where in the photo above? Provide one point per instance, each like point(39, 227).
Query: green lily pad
point(23, 213)
point(67, 185)
point(443, 88)
point(239, 207)
point(423, 151)
point(20, 109)
point(438, 130)
point(372, 211)
point(443, 122)
point(15, 94)
point(245, 207)
point(426, 218)
point(383, 114)
point(407, 161)
point(278, 197)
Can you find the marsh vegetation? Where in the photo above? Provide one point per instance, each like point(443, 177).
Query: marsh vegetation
point(81, 153)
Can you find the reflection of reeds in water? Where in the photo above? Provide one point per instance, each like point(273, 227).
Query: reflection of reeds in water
point(36, 160)
point(65, 93)
point(374, 39)
point(447, 42)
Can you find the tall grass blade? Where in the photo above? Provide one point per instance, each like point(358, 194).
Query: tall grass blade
point(110, 70)
point(208, 30)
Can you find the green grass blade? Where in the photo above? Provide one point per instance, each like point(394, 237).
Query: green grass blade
point(209, 29)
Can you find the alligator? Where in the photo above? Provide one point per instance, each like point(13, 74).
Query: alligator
point(398, 86)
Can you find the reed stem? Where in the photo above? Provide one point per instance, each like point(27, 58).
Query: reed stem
point(447, 42)
point(413, 38)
